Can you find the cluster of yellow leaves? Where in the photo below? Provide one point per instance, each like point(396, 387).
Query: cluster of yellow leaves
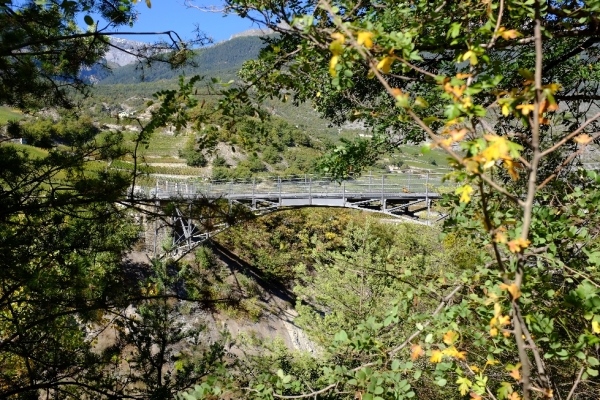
point(498, 149)
point(498, 321)
point(337, 48)
point(150, 290)
point(437, 355)
point(515, 246)
point(525, 108)
point(455, 90)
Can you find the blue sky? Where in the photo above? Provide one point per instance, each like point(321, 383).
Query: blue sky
point(173, 15)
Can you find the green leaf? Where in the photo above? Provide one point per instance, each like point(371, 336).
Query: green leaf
point(88, 20)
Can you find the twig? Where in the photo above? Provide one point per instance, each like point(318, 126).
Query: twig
point(576, 382)
point(498, 22)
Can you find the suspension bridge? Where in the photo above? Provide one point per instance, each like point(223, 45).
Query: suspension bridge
point(403, 196)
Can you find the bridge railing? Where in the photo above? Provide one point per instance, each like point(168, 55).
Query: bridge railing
point(369, 184)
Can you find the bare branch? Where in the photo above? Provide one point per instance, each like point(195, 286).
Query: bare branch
point(571, 135)
point(572, 392)
point(207, 9)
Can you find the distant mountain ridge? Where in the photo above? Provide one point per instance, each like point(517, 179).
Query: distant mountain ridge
point(222, 60)
point(252, 32)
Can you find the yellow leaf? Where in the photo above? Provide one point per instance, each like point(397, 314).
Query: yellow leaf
point(450, 337)
point(474, 368)
point(436, 356)
point(515, 372)
point(492, 362)
point(493, 332)
point(148, 3)
point(497, 310)
point(510, 34)
point(416, 351)
point(365, 38)
point(505, 110)
point(453, 352)
point(553, 87)
point(583, 139)
point(458, 135)
point(504, 320)
point(512, 166)
point(500, 237)
point(512, 289)
point(467, 55)
point(332, 63)
point(498, 149)
point(463, 76)
point(515, 246)
point(595, 326)
point(525, 108)
point(338, 37)
point(396, 92)
point(467, 103)
point(465, 193)
point(513, 396)
point(385, 65)
point(421, 102)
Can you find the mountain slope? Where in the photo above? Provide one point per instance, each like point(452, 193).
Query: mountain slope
point(221, 60)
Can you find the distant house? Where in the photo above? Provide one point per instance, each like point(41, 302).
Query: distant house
point(125, 114)
point(18, 141)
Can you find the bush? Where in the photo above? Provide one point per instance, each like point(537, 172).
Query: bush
point(219, 162)
point(220, 173)
point(193, 158)
point(271, 155)
point(253, 164)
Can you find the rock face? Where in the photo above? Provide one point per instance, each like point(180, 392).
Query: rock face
point(275, 322)
point(119, 57)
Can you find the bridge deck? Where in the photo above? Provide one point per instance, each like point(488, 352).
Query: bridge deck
point(402, 187)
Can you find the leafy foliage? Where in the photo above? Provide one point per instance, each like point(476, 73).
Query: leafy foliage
point(513, 85)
